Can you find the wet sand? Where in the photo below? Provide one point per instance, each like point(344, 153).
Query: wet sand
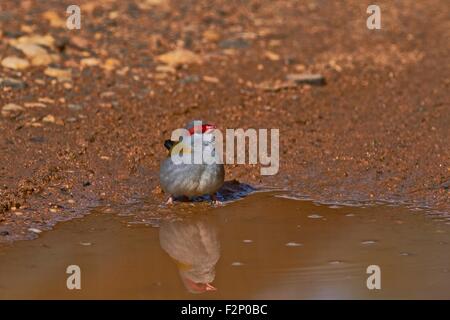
point(265, 246)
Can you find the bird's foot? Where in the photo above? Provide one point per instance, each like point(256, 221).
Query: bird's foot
point(215, 201)
point(169, 201)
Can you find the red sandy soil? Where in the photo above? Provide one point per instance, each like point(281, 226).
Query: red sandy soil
point(378, 130)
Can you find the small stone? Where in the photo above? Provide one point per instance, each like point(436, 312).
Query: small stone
point(4, 233)
point(60, 74)
point(238, 43)
point(111, 64)
point(179, 57)
point(247, 241)
point(312, 79)
point(90, 62)
point(189, 79)
point(275, 86)
point(44, 59)
point(26, 29)
point(12, 83)
point(75, 107)
point(54, 19)
point(30, 49)
point(46, 100)
point(315, 216)
point(210, 79)
point(107, 94)
point(237, 264)
point(272, 56)
point(15, 63)
point(211, 35)
point(47, 40)
point(34, 105)
point(35, 230)
point(71, 119)
point(49, 119)
point(10, 109)
point(165, 69)
point(86, 244)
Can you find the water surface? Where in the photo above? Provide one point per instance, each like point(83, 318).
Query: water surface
point(264, 246)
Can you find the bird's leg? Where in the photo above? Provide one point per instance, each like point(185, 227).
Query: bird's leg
point(214, 200)
point(169, 201)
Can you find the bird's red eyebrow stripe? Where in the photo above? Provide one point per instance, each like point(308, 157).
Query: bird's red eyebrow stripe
point(201, 129)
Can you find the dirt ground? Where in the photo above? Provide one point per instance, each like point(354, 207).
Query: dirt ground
point(84, 113)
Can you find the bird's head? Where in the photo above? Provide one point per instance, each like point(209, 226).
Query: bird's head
point(200, 127)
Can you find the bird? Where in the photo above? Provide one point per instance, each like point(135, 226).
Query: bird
point(194, 245)
point(192, 179)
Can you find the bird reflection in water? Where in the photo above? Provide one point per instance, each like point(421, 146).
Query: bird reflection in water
point(193, 243)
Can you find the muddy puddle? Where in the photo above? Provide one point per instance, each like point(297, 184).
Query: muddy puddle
point(265, 246)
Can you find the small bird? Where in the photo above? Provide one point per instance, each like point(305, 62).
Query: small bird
point(192, 179)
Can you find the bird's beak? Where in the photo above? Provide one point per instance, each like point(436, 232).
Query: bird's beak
point(210, 287)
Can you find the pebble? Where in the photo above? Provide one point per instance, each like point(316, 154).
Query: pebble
point(75, 107)
point(312, 79)
point(107, 94)
point(60, 74)
point(179, 57)
point(247, 241)
point(189, 79)
point(89, 62)
point(211, 79)
point(272, 56)
point(54, 19)
point(42, 40)
point(44, 59)
point(275, 86)
point(49, 119)
point(211, 35)
point(71, 119)
point(237, 264)
point(15, 63)
point(46, 100)
point(35, 230)
point(238, 43)
point(11, 108)
point(111, 64)
point(165, 69)
point(86, 244)
point(30, 49)
point(34, 105)
point(12, 83)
